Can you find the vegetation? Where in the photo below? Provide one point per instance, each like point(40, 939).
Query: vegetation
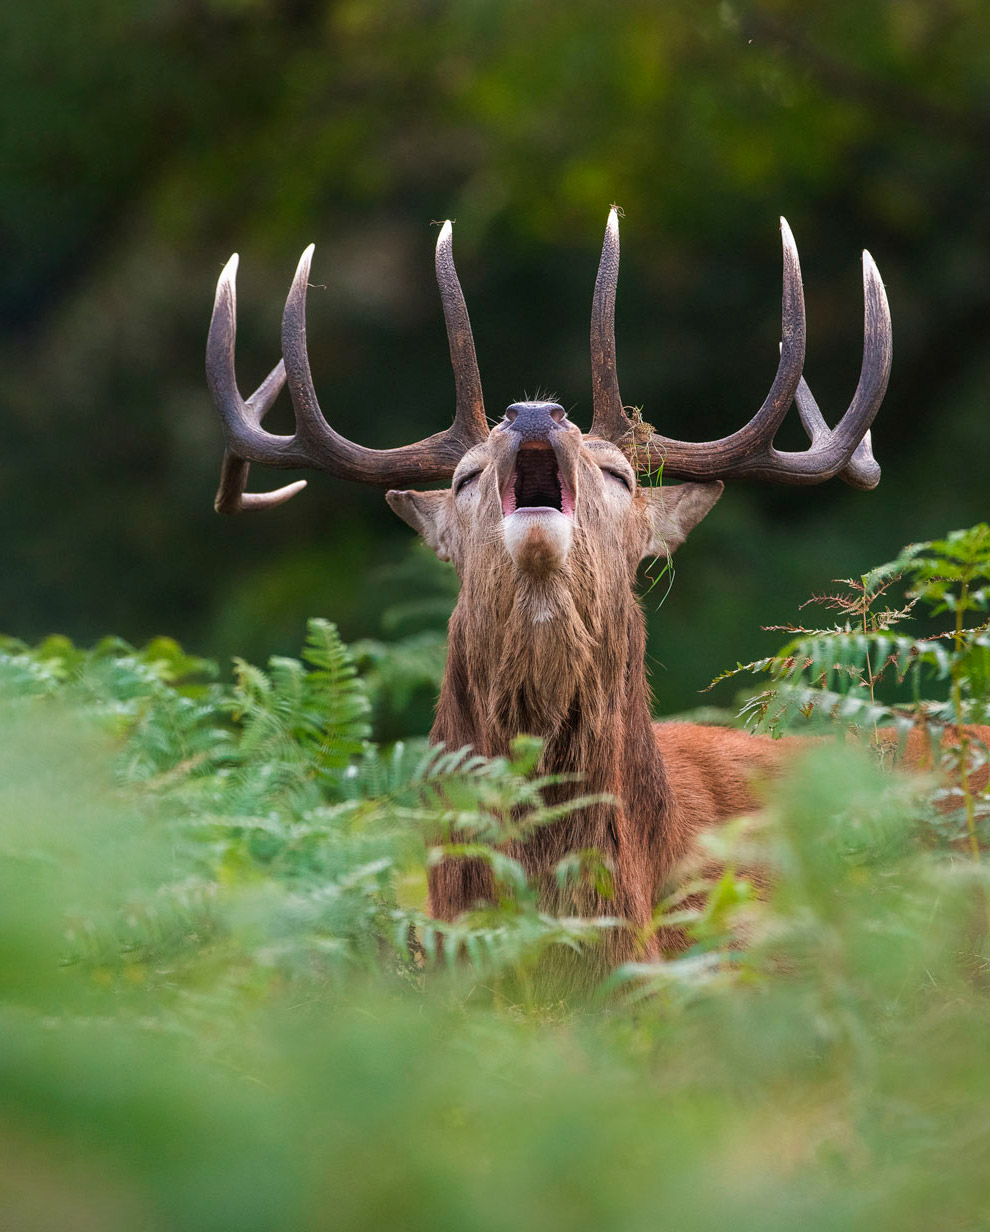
point(222, 1005)
point(146, 142)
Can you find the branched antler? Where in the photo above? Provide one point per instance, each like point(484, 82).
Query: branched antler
point(749, 453)
point(315, 443)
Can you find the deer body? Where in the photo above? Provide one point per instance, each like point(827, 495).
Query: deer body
point(670, 780)
point(591, 708)
point(548, 639)
point(546, 527)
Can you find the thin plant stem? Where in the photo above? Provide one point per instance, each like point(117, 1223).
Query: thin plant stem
point(969, 802)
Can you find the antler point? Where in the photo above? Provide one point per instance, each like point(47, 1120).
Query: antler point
point(872, 279)
point(228, 276)
point(305, 261)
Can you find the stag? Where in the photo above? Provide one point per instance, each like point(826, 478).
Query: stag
point(546, 526)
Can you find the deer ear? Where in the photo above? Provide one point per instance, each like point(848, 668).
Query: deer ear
point(426, 513)
point(674, 512)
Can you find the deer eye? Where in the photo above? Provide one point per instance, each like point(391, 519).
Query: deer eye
point(464, 480)
point(622, 477)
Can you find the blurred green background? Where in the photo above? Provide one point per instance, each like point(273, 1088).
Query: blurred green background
point(142, 143)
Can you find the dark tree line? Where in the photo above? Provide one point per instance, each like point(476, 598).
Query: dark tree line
point(141, 144)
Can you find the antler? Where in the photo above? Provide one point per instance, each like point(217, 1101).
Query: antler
point(749, 453)
point(315, 443)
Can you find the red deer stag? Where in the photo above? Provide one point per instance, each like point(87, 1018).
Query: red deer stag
point(546, 526)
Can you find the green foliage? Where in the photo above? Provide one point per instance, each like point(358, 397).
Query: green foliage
point(403, 674)
point(211, 1013)
point(173, 133)
point(222, 1004)
point(841, 671)
point(874, 671)
point(272, 781)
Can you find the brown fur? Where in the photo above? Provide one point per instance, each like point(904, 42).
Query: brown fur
point(551, 643)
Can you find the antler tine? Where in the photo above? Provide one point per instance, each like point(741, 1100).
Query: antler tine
point(851, 439)
point(610, 420)
point(470, 421)
point(847, 450)
point(238, 416)
point(862, 471)
point(311, 425)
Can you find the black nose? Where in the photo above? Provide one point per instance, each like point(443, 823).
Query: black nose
point(534, 421)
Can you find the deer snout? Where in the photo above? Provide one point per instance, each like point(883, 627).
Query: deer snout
point(537, 458)
point(537, 484)
point(534, 421)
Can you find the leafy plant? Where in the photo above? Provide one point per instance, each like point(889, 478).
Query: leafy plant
point(873, 670)
point(222, 1004)
point(272, 780)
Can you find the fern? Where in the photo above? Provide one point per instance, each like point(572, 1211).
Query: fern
point(338, 698)
point(272, 780)
point(395, 671)
point(867, 673)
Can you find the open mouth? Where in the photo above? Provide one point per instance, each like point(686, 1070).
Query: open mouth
point(536, 484)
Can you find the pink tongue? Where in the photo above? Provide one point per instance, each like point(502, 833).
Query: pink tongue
point(509, 498)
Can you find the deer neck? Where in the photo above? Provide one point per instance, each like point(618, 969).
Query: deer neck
point(567, 665)
point(578, 681)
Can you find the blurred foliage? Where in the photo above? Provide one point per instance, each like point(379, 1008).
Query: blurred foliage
point(143, 142)
point(222, 1006)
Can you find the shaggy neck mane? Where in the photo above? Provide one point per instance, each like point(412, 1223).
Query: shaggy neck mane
point(562, 660)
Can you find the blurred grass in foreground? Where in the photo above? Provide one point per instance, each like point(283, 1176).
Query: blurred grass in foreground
point(212, 1017)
